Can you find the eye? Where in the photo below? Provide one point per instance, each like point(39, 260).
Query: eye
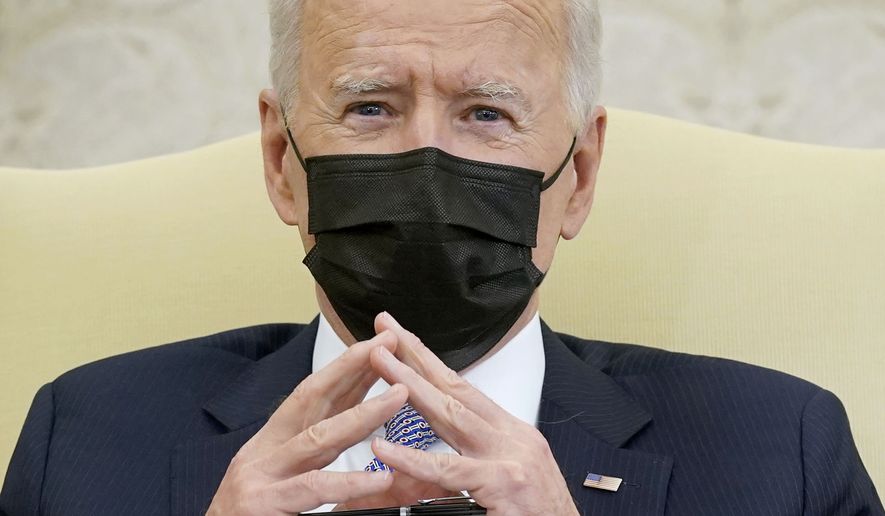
point(486, 115)
point(368, 110)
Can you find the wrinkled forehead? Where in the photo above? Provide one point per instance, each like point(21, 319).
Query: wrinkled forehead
point(464, 37)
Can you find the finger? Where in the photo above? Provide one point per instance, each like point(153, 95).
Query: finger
point(456, 424)
point(320, 444)
point(312, 489)
point(350, 369)
point(412, 352)
point(337, 387)
point(447, 470)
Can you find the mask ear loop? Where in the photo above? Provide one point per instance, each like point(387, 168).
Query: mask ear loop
point(292, 140)
point(552, 179)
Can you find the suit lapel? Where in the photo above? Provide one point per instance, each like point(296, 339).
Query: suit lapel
point(587, 418)
point(241, 409)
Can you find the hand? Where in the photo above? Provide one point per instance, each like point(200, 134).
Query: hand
point(505, 464)
point(278, 470)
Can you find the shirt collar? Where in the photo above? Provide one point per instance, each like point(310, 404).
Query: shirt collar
point(512, 377)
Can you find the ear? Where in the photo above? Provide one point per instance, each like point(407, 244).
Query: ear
point(588, 155)
point(274, 147)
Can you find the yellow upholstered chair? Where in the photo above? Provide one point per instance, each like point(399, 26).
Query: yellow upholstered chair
point(701, 241)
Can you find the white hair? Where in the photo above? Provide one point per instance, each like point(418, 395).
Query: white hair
point(583, 64)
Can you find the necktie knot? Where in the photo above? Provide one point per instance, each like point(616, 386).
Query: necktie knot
point(406, 428)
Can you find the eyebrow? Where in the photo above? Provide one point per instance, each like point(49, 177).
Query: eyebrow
point(353, 86)
point(494, 90)
point(497, 91)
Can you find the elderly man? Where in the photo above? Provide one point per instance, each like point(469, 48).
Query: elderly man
point(431, 155)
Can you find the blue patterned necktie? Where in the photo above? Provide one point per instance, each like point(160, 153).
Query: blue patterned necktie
point(407, 428)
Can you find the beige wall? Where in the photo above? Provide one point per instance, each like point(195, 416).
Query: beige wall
point(87, 82)
point(803, 70)
point(99, 81)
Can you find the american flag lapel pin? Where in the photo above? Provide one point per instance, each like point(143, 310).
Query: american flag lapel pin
point(602, 482)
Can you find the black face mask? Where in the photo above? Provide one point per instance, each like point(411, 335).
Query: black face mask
point(441, 243)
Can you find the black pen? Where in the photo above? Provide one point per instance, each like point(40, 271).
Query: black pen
point(453, 506)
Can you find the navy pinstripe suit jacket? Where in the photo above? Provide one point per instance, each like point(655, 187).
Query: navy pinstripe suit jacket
point(152, 432)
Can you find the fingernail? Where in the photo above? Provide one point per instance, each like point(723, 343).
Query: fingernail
point(388, 394)
point(380, 475)
point(382, 444)
point(385, 354)
point(386, 339)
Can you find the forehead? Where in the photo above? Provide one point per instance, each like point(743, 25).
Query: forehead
point(460, 38)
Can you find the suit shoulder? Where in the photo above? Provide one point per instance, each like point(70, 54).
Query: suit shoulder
point(627, 362)
point(160, 390)
point(228, 349)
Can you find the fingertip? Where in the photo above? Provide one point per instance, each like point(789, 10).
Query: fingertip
point(380, 320)
point(387, 339)
point(396, 392)
point(379, 446)
point(389, 321)
point(399, 390)
point(391, 454)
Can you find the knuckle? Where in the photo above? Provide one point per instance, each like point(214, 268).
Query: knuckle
point(253, 446)
point(249, 500)
point(453, 407)
point(237, 462)
point(303, 390)
point(515, 473)
point(453, 381)
point(347, 357)
point(351, 483)
point(444, 466)
point(239, 493)
point(413, 339)
point(450, 381)
point(240, 467)
point(355, 356)
point(315, 435)
point(358, 352)
point(360, 411)
point(243, 478)
point(312, 481)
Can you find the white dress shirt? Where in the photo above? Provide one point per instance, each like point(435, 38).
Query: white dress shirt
point(512, 378)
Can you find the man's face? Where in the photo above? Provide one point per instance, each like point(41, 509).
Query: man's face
point(476, 78)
